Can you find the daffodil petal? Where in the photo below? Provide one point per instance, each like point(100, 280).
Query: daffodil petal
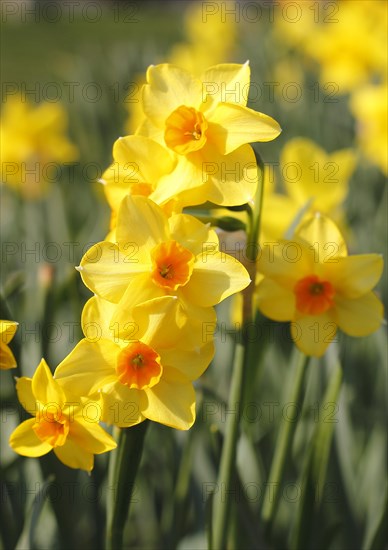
point(231, 126)
point(313, 334)
point(232, 178)
point(172, 404)
point(227, 82)
point(7, 358)
point(88, 367)
point(140, 290)
point(45, 388)
point(7, 331)
point(74, 456)
point(160, 322)
point(25, 442)
point(143, 224)
point(25, 395)
point(353, 276)
point(96, 319)
point(91, 436)
point(190, 363)
point(215, 277)
point(168, 88)
point(104, 258)
point(190, 232)
point(361, 316)
point(324, 237)
point(275, 301)
point(122, 406)
point(187, 181)
point(139, 150)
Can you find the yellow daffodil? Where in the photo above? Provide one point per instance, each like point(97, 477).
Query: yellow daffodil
point(369, 107)
point(62, 422)
point(32, 138)
point(138, 165)
point(157, 256)
point(146, 373)
point(313, 180)
point(7, 332)
point(312, 282)
point(206, 124)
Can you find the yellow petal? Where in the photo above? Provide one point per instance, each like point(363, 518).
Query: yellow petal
point(324, 236)
point(168, 88)
point(190, 232)
point(88, 367)
point(25, 442)
point(171, 403)
point(285, 262)
point(107, 270)
point(313, 334)
point(139, 150)
point(191, 363)
point(361, 316)
point(227, 82)
point(231, 126)
point(96, 319)
point(7, 331)
point(7, 358)
point(140, 290)
point(141, 225)
point(187, 180)
point(45, 388)
point(355, 275)
point(122, 406)
point(74, 456)
point(26, 398)
point(90, 436)
point(232, 178)
point(215, 277)
point(274, 301)
point(160, 322)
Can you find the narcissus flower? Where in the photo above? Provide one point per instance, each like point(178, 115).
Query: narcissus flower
point(32, 136)
point(157, 256)
point(312, 282)
point(61, 423)
point(7, 332)
point(145, 373)
point(138, 165)
point(206, 124)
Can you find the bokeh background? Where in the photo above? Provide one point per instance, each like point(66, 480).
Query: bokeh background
point(71, 79)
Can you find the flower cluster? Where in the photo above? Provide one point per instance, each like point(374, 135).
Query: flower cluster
point(159, 273)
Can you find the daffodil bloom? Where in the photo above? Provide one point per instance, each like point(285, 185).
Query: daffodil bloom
point(157, 256)
point(62, 422)
point(206, 124)
point(138, 165)
point(7, 332)
point(314, 181)
point(145, 373)
point(312, 282)
point(32, 137)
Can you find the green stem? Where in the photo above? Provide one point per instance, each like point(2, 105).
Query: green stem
point(222, 504)
point(123, 467)
point(283, 443)
point(228, 457)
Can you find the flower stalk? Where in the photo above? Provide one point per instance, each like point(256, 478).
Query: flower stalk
point(222, 507)
point(123, 467)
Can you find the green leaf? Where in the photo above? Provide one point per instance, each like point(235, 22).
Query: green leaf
point(314, 472)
